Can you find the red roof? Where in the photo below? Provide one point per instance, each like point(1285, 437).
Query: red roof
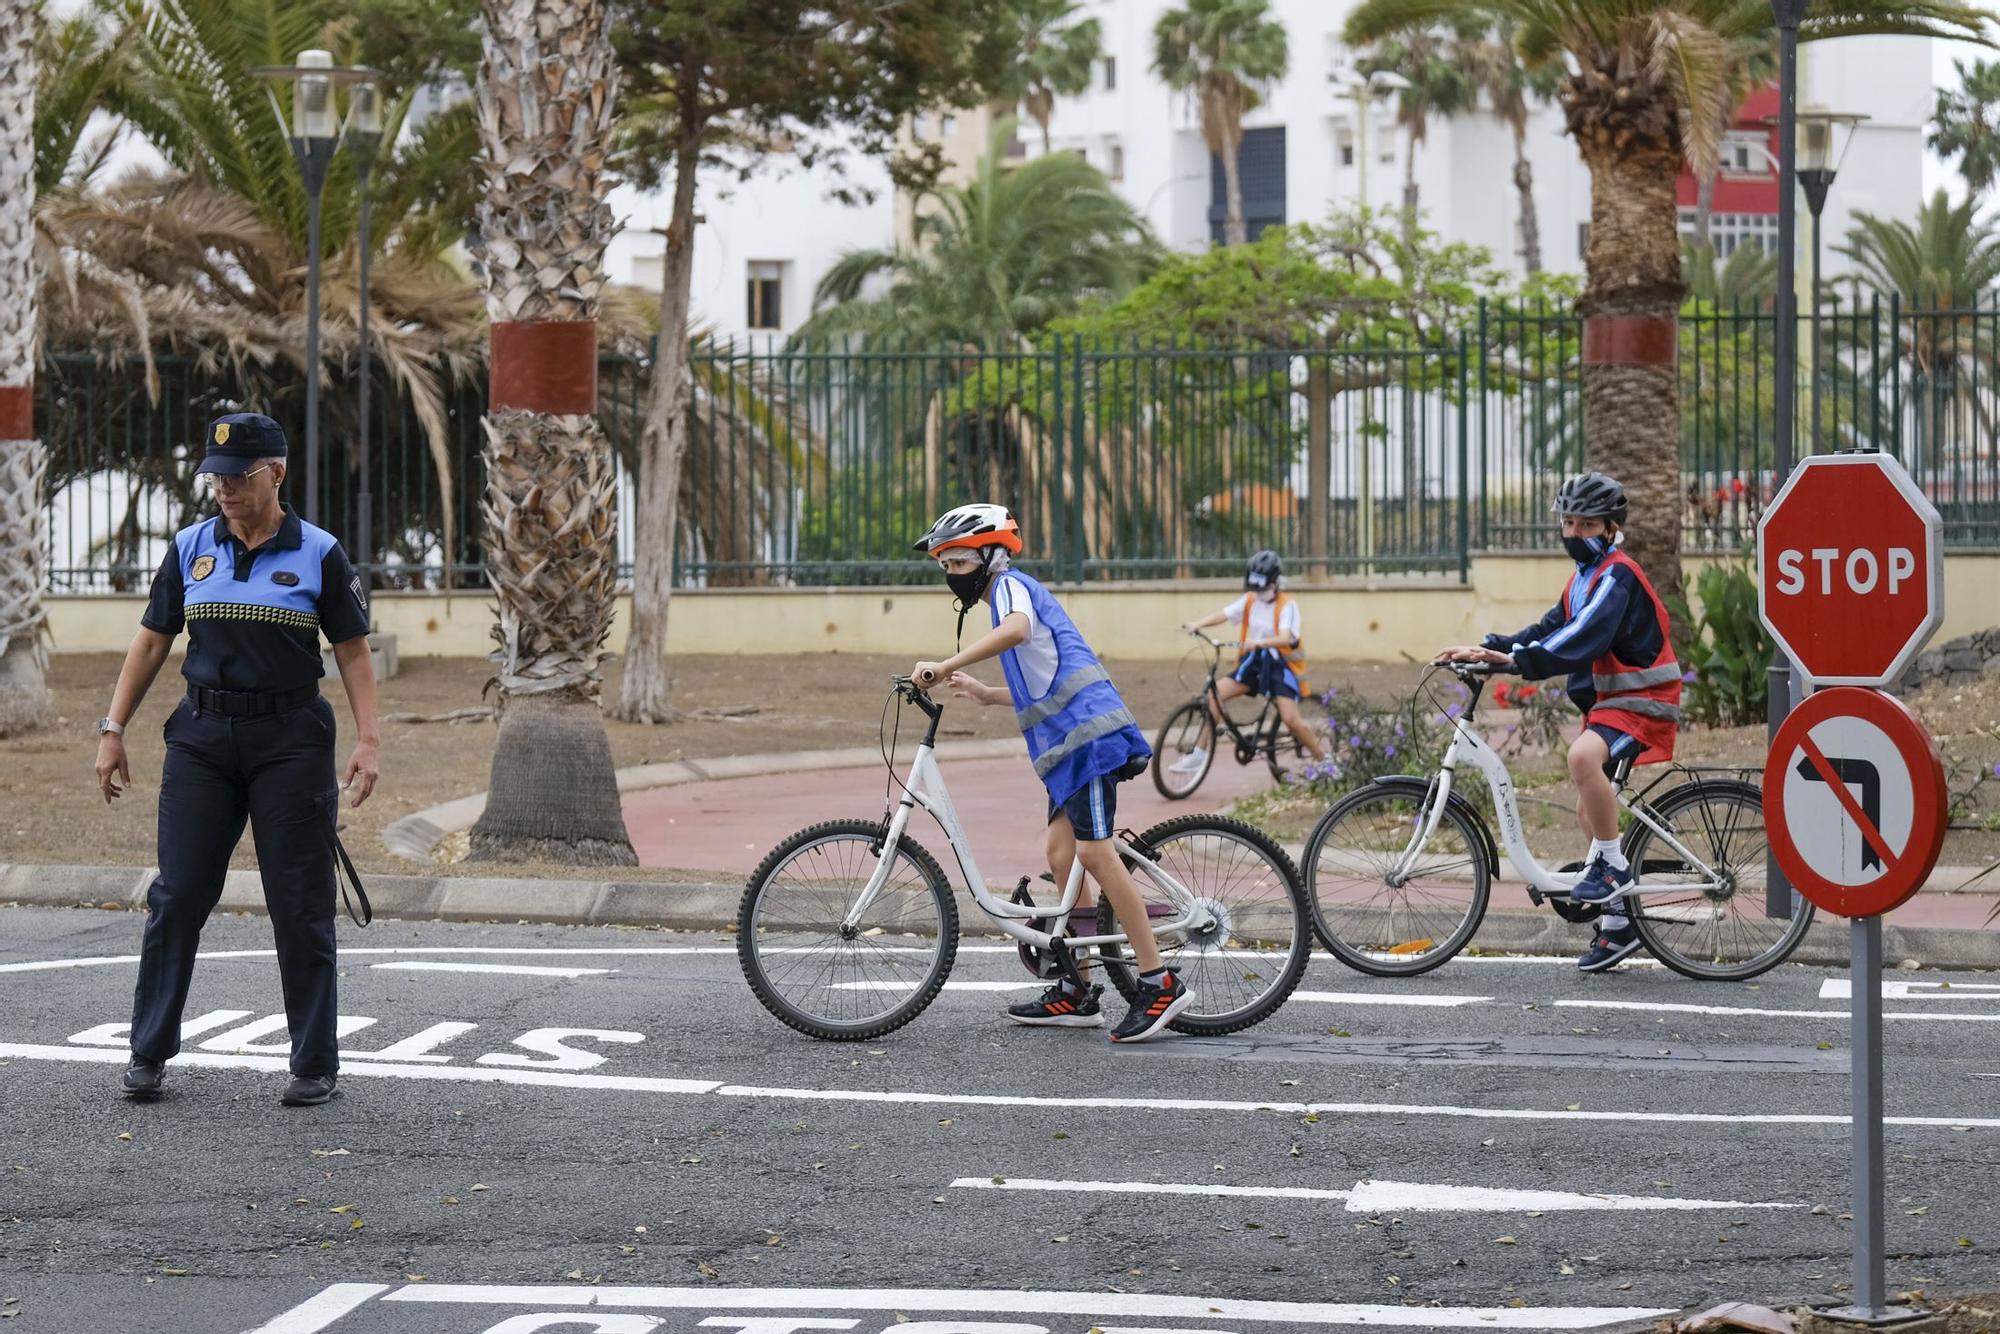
point(1756, 193)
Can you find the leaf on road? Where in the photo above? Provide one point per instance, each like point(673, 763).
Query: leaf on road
point(341, 1209)
point(705, 1269)
point(175, 1273)
point(482, 1187)
point(1504, 1241)
point(1340, 1032)
point(1822, 1046)
point(331, 1153)
point(416, 1278)
point(124, 1134)
point(999, 1181)
point(945, 1122)
point(1568, 1270)
point(1487, 1143)
point(1574, 1107)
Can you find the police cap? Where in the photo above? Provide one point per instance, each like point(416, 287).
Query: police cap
point(240, 441)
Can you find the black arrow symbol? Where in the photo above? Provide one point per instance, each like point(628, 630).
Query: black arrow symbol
point(1864, 775)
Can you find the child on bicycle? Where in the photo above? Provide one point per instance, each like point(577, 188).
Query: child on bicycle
point(1269, 657)
point(1081, 737)
point(1609, 632)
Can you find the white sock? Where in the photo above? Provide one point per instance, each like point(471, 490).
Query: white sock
point(1614, 856)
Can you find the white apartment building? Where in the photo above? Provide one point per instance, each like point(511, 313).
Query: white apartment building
point(766, 241)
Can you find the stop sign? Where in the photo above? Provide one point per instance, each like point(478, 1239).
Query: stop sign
point(1850, 569)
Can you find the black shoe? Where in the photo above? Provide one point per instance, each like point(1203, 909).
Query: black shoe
point(308, 1090)
point(1059, 1007)
point(143, 1078)
point(1153, 1009)
point(1610, 949)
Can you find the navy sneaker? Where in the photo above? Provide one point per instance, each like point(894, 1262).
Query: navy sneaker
point(1610, 949)
point(1059, 1007)
point(1601, 882)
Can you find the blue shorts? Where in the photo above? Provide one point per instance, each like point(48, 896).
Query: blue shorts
point(1265, 672)
point(1620, 744)
point(1092, 809)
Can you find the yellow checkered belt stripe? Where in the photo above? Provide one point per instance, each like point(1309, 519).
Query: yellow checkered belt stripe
point(241, 611)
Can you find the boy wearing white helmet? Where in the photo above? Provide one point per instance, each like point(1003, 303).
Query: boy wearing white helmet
point(1081, 737)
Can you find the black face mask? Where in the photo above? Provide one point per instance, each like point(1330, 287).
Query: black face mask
point(969, 587)
point(1586, 550)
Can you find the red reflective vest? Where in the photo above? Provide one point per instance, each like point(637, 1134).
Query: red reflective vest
point(1642, 699)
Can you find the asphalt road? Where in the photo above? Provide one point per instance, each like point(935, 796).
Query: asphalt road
point(628, 1142)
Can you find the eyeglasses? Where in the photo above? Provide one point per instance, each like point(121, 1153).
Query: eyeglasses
point(223, 481)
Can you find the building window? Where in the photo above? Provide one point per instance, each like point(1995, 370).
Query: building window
point(1260, 166)
point(946, 124)
point(766, 295)
point(1746, 153)
point(919, 125)
point(1343, 147)
point(1110, 73)
point(1727, 231)
point(1116, 160)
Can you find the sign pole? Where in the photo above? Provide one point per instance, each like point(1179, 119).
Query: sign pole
point(1865, 1079)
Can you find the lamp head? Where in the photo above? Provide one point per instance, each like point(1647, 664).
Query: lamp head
point(313, 118)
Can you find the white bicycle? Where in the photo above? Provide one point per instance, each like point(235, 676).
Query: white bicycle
point(1399, 872)
point(849, 929)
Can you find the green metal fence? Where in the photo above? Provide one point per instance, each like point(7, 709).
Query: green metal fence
point(1140, 459)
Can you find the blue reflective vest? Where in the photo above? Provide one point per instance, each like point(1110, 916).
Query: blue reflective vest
point(1080, 729)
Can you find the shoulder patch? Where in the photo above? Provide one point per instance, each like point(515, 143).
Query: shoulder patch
point(285, 577)
point(202, 568)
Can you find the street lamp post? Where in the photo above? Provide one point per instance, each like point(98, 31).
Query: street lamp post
point(1819, 163)
point(1778, 676)
point(314, 132)
point(364, 138)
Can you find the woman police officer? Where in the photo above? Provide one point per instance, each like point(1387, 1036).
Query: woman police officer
point(255, 588)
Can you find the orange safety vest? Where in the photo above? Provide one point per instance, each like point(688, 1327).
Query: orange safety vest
point(1294, 656)
point(1642, 700)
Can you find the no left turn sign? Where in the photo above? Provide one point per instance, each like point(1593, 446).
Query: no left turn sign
point(1855, 801)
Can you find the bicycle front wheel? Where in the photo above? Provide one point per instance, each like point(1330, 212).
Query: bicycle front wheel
point(829, 980)
point(1381, 907)
point(1243, 966)
point(1177, 771)
point(1724, 933)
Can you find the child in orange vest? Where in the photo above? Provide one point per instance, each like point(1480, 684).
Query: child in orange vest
point(1269, 658)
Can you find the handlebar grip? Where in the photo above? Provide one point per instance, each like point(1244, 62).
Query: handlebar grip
point(926, 678)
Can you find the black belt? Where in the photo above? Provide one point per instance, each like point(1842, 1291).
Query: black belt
point(249, 703)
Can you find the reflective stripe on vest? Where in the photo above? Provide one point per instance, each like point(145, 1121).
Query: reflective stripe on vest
point(1638, 680)
point(1060, 697)
point(1082, 735)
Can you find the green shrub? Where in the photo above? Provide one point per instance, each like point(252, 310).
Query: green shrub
point(1728, 648)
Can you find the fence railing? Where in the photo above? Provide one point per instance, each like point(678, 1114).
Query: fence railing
point(1124, 460)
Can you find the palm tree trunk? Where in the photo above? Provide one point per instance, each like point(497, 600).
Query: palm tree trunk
point(1524, 185)
point(1630, 306)
point(1410, 184)
point(642, 697)
point(547, 86)
point(24, 695)
point(1234, 232)
point(1704, 209)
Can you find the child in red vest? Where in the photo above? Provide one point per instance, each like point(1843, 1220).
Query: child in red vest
point(1270, 657)
point(1609, 632)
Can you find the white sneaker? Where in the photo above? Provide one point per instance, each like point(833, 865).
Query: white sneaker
point(1189, 763)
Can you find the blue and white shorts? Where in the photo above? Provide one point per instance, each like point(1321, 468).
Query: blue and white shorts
point(1092, 809)
point(1265, 672)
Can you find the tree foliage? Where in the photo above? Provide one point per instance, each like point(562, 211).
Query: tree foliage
point(1965, 124)
point(1224, 54)
point(1039, 51)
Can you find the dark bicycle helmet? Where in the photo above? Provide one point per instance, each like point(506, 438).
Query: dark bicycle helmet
point(1591, 495)
point(1263, 570)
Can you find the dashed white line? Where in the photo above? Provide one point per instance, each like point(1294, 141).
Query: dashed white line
point(1378, 1197)
point(515, 969)
point(1734, 1011)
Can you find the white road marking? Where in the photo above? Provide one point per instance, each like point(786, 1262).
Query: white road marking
point(1732, 1011)
point(321, 1309)
point(520, 969)
point(652, 1084)
point(120, 1035)
point(1010, 1301)
point(1384, 1197)
point(1389, 998)
point(419, 1046)
point(1376, 1197)
point(1842, 988)
point(882, 985)
point(246, 1037)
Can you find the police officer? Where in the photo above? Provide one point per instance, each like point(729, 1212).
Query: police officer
point(255, 588)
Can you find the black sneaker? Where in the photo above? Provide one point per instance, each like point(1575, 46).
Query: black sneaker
point(1059, 1007)
point(1610, 949)
point(143, 1078)
point(308, 1091)
point(1153, 1009)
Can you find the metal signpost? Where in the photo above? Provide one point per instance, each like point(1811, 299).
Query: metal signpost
point(1850, 584)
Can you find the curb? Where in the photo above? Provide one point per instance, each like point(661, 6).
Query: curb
point(415, 837)
point(712, 906)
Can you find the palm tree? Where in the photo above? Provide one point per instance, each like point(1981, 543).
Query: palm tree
point(1966, 124)
point(1225, 53)
point(994, 259)
point(548, 86)
point(1044, 51)
point(1433, 84)
point(1749, 65)
point(1747, 279)
point(1650, 87)
point(24, 696)
point(1486, 54)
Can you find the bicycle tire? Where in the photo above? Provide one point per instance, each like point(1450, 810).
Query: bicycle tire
point(1171, 732)
point(1201, 965)
point(758, 962)
point(1401, 926)
point(1661, 919)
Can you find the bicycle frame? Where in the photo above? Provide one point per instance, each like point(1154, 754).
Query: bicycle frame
point(1468, 746)
point(1260, 736)
point(926, 788)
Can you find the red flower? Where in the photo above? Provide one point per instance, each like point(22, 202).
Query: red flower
point(1736, 485)
point(1527, 692)
point(1499, 692)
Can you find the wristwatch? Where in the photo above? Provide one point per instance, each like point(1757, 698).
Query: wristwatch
point(106, 725)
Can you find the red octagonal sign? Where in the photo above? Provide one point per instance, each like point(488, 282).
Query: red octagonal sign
point(1850, 569)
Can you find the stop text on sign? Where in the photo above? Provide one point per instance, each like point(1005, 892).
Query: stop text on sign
point(1856, 569)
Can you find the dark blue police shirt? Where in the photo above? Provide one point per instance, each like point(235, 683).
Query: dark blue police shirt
point(254, 617)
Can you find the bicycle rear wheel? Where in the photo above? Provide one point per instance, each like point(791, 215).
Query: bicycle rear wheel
point(1241, 969)
point(1381, 922)
point(1725, 934)
point(1180, 736)
point(832, 982)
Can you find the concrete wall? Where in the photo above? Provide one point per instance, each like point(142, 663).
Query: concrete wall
point(1350, 620)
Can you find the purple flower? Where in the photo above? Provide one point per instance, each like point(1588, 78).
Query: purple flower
point(1996, 771)
point(1688, 677)
point(1390, 751)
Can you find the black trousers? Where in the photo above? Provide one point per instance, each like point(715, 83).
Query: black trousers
point(276, 771)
